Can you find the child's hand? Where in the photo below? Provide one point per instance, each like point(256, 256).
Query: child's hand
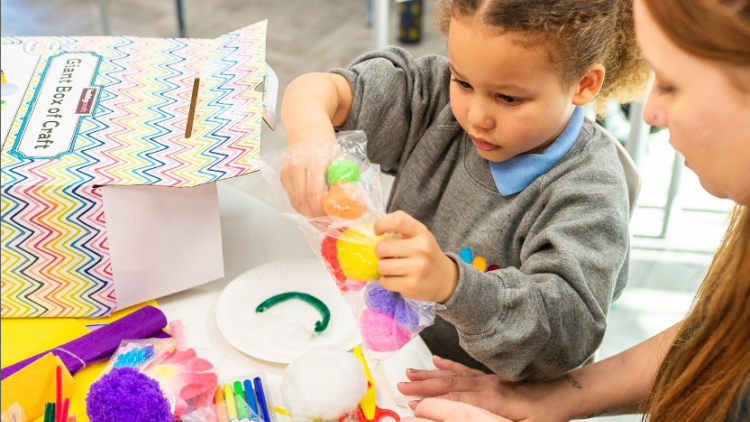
point(414, 265)
point(303, 175)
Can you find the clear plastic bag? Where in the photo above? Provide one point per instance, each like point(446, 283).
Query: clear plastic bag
point(219, 412)
point(188, 381)
point(249, 401)
point(344, 238)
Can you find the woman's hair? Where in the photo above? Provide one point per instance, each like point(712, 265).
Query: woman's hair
point(578, 34)
point(709, 361)
point(708, 364)
point(717, 30)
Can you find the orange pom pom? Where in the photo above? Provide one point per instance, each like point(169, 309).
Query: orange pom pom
point(342, 200)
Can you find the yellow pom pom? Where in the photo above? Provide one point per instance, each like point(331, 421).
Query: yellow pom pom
point(356, 253)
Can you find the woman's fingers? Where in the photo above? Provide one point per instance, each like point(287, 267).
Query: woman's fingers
point(441, 386)
point(449, 365)
point(448, 411)
point(421, 375)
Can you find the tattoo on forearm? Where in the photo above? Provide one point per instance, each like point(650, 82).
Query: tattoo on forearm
point(573, 381)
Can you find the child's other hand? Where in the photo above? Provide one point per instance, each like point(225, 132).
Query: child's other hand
point(413, 264)
point(303, 175)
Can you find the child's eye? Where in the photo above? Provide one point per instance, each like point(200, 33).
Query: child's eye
point(462, 84)
point(509, 100)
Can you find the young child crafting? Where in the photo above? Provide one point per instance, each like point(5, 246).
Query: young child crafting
point(512, 209)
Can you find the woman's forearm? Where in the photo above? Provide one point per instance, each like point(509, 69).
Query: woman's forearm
point(313, 104)
point(617, 385)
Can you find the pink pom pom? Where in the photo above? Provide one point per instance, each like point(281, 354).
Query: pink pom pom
point(380, 333)
point(354, 285)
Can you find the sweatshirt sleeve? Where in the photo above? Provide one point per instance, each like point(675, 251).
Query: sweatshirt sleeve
point(395, 99)
point(549, 315)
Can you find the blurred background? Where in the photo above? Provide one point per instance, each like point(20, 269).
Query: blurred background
point(676, 226)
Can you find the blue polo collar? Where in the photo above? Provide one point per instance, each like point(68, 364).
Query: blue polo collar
point(517, 173)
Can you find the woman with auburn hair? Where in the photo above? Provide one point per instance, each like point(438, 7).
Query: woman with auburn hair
point(699, 369)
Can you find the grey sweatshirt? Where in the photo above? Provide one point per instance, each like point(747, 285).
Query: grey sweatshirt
point(562, 244)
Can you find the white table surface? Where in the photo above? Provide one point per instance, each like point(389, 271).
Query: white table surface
point(253, 233)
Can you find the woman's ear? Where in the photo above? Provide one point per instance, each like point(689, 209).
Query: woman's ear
point(589, 85)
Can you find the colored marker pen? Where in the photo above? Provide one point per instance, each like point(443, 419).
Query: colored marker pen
point(239, 398)
point(250, 396)
point(262, 406)
point(229, 399)
point(221, 407)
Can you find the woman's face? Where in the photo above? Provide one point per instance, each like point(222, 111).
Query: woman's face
point(706, 107)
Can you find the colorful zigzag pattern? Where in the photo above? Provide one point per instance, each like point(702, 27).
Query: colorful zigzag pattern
point(55, 259)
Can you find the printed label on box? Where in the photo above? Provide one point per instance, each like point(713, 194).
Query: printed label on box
point(51, 126)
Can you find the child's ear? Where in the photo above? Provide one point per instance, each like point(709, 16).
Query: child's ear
point(589, 85)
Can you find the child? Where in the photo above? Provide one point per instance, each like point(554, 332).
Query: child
point(496, 166)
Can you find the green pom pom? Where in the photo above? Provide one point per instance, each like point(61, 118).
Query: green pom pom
point(342, 170)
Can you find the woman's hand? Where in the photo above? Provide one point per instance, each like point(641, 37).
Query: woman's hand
point(516, 401)
point(413, 264)
point(303, 175)
point(438, 410)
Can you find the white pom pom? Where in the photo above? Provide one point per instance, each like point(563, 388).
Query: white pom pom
point(324, 383)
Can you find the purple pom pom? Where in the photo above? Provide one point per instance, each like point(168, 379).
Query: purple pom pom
point(126, 395)
point(381, 300)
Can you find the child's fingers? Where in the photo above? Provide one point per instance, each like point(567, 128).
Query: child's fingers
point(396, 267)
point(394, 248)
point(301, 203)
point(392, 282)
point(316, 188)
point(398, 222)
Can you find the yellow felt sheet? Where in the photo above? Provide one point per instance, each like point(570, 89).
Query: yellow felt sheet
point(21, 338)
point(35, 385)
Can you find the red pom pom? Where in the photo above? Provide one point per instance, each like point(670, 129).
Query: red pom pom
point(329, 254)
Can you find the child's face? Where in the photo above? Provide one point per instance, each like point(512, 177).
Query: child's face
point(507, 97)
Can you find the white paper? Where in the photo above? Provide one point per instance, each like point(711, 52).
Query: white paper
point(162, 240)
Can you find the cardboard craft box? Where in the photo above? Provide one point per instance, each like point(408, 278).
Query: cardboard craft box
point(106, 200)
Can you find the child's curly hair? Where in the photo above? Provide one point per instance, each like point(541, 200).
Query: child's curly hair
point(580, 33)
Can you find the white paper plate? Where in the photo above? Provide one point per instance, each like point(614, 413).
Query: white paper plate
point(286, 330)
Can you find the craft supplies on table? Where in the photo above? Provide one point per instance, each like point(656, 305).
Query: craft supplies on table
point(183, 381)
point(35, 385)
point(25, 337)
point(100, 344)
point(246, 398)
